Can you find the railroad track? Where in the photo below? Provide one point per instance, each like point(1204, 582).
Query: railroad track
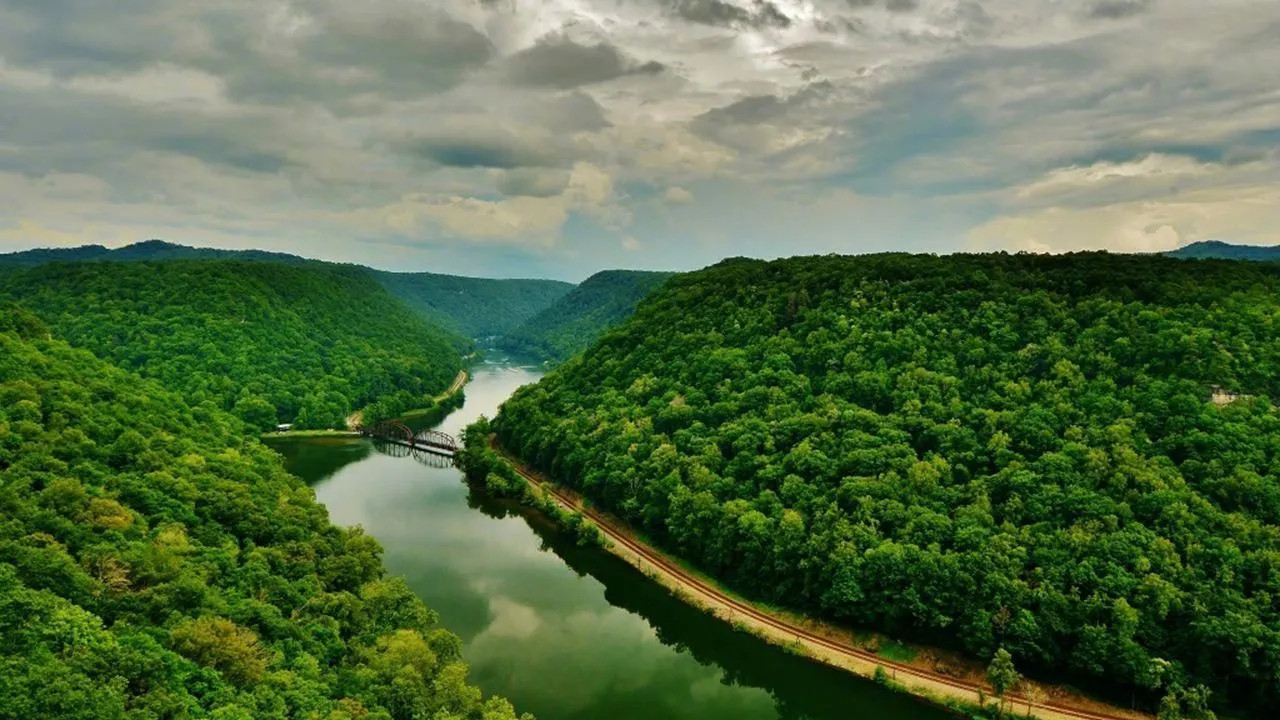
point(1047, 709)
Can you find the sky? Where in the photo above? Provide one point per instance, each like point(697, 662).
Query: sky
point(555, 138)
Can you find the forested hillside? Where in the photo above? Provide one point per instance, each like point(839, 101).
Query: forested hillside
point(470, 307)
point(577, 319)
point(981, 452)
point(155, 564)
point(473, 307)
point(305, 343)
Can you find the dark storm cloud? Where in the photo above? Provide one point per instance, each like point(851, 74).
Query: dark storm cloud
point(563, 63)
point(400, 49)
point(892, 5)
point(1116, 9)
point(69, 37)
point(65, 131)
point(395, 49)
point(479, 147)
point(718, 12)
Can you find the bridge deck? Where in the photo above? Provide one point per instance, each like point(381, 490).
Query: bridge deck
point(442, 450)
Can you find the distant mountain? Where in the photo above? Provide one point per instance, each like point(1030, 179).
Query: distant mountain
point(1217, 249)
point(574, 322)
point(470, 307)
point(146, 250)
point(473, 307)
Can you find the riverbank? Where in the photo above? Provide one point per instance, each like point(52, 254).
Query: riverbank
point(311, 434)
point(442, 405)
point(959, 688)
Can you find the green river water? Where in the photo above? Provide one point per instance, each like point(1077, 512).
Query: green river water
point(566, 633)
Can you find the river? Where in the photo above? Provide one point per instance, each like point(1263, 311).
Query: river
point(566, 633)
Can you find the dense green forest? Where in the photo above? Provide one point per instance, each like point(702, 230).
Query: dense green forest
point(1216, 249)
point(470, 307)
point(155, 563)
point(575, 321)
point(982, 452)
point(306, 343)
point(473, 307)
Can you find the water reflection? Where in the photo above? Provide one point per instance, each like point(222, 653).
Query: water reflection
point(396, 450)
point(800, 688)
point(317, 459)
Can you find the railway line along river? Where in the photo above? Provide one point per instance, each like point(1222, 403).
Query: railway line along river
point(564, 632)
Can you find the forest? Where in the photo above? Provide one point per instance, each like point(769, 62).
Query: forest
point(992, 453)
point(575, 321)
point(303, 343)
point(467, 306)
point(472, 307)
point(156, 562)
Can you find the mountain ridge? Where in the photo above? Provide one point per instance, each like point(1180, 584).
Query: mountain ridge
point(1220, 250)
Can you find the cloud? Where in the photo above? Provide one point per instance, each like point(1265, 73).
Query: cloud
point(1149, 203)
point(757, 14)
point(534, 182)
point(1106, 181)
point(487, 134)
point(1116, 9)
point(677, 196)
point(318, 51)
point(560, 62)
point(525, 218)
point(1249, 215)
point(481, 145)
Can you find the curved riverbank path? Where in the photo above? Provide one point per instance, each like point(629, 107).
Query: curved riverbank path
point(458, 382)
point(827, 650)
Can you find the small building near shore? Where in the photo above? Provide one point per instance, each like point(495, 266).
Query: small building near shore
point(1222, 396)
point(284, 427)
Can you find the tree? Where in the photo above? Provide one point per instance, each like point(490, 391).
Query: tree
point(221, 644)
point(1001, 674)
point(256, 411)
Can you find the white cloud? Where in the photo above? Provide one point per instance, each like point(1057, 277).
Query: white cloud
point(677, 195)
point(1106, 175)
point(1249, 215)
point(519, 219)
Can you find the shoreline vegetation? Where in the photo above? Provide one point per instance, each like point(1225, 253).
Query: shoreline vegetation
point(444, 403)
point(927, 673)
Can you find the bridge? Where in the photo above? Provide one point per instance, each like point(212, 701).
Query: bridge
point(397, 434)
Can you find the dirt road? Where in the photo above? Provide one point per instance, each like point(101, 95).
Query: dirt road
point(458, 382)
